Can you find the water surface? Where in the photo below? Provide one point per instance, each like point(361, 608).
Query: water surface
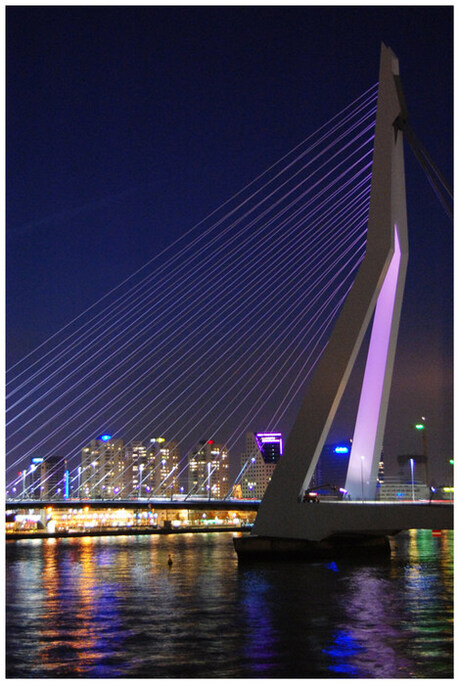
point(111, 607)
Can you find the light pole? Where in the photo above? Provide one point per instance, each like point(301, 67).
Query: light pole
point(141, 469)
point(412, 477)
point(93, 478)
point(421, 427)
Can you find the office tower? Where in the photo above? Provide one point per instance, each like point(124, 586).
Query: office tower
point(332, 466)
point(258, 462)
point(208, 470)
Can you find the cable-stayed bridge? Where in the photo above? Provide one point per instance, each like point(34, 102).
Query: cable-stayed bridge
point(223, 331)
point(218, 334)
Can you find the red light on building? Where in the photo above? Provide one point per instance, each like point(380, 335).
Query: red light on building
point(210, 442)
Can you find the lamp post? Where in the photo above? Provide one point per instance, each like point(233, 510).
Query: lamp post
point(412, 477)
point(93, 479)
point(141, 470)
point(421, 427)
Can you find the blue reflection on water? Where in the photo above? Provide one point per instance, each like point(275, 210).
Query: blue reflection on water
point(343, 647)
point(332, 566)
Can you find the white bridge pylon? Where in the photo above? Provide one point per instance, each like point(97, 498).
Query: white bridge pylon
point(377, 291)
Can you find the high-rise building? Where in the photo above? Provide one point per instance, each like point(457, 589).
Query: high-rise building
point(332, 465)
point(151, 468)
point(53, 483)
point(208, 470)
point(258, 461)
point(137, 478)
point(163, 463)
point(32, 480)
point(103, 468)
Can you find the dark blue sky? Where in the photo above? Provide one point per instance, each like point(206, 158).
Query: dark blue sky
point(127, 125)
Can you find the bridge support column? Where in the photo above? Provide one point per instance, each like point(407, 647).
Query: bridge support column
point(377, 288)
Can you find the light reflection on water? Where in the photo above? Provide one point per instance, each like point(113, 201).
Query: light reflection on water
point(111, 607)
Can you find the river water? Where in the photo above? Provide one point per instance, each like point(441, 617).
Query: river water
point(111, 607)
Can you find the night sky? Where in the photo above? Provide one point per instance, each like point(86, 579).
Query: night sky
point(127, 125)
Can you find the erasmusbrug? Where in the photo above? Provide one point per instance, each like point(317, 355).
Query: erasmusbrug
point(250, 321)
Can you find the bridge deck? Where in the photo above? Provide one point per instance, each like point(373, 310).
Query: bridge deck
point(204, 504)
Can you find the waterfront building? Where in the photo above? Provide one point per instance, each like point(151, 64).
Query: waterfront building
point(102, 468)
point(410, 483)
point(208, 470)
point(258, 462)
point(332, 465)
point(137, 476)
point(32, 479)
point(162, 464)
point(394, 488)
point(381, 471)
point(53, 481)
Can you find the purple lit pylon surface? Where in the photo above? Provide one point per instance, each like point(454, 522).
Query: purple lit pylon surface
point(378, 288)
point(373, 404)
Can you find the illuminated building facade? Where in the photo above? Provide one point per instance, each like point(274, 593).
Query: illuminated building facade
point(332, 465)
point(262, 453)
point(410, 483)
point(396, 489)
point(151, 468)
point(163, 461)
point(208, 470)
point(137, 478)
point(103, 468)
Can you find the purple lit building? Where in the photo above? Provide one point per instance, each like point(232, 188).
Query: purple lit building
point(263, 451)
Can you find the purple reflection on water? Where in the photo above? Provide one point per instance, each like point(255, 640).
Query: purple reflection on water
point(262, 637)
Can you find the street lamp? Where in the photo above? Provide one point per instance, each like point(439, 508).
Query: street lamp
point(412, 477)
point(209, 480)
point(421, 427)
point(141, 469)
